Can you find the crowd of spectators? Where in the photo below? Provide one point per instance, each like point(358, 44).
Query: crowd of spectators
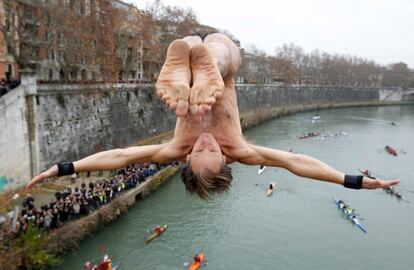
point(78, 201)
point(8, 85)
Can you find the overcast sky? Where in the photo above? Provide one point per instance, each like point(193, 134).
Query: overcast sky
point(380, 30)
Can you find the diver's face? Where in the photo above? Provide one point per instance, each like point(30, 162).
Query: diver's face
point(206, 153)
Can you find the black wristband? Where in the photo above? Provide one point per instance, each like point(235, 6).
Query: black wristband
point(353, 181)
point(66, 169)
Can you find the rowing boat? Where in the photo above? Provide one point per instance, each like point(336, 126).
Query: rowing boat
point(197, 265)
point(351, 217)
point(155, 234)
point(390, 190)
point(309, 135)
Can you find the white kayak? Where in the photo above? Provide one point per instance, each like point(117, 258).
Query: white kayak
point(261, 169)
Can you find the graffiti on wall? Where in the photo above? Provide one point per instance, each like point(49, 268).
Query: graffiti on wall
point(3, 182)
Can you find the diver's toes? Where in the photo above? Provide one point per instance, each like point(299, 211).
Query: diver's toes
point(218, 94)
point(193, 108)
point(173, 105)
point(182, 108)
point(211, 100)
point(160, 92)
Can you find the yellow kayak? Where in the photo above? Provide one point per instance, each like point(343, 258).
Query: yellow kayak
point(195, 266)
point(155, 234)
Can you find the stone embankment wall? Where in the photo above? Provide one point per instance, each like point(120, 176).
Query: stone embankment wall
point(15, 151)
point(258, 103)
point(56, 123)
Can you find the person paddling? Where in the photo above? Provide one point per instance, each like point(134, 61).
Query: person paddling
point(197, 259)
point(158, 229)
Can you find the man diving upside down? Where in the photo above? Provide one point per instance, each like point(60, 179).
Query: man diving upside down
point(197, 81)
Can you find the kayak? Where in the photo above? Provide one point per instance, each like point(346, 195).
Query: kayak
point(391, 150)
point(155, 234)
point(261, 169)
point(316, 117)
point(309, 135)
point(195, 266)
point(351, 217)
point(270, 191)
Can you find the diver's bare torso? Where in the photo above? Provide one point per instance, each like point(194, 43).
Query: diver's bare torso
point(222, 122)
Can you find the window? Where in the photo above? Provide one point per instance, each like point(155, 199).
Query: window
point(73, 74)
point(10, 69)
point(9, 48)
point(74, 56)
point(129, 53)
point(72, 4)
point(50, 75)
point(51, 54)
point(82, 7)
point(61, 38)
point(48, 19)
point(84, 75)
point(88, 7)
point(7, 24)
point(49, 37)
point(61, 55)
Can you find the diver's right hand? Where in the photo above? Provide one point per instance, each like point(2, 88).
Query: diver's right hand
point(53, 171)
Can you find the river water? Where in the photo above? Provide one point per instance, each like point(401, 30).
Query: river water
point(299, 226)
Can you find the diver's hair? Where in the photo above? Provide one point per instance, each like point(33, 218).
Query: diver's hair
point(206, 182)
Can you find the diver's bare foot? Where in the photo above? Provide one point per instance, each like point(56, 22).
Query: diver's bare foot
point(208, 84)
point(173, 84)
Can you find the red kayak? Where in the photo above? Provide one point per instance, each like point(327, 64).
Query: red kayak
point(196, 265)
point(391, 150)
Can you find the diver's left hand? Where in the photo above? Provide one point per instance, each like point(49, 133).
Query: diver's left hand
point(369, 183)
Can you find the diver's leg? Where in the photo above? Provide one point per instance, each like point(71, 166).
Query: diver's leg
point(207, 81)
point(226, 52)
point(213, 63)
point(173, 83)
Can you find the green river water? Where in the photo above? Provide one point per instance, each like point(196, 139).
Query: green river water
point(299, 226)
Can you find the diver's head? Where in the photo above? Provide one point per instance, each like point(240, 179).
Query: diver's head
point(206, 171)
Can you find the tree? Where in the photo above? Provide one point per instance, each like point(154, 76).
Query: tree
point(168, 23)
point(397, 75)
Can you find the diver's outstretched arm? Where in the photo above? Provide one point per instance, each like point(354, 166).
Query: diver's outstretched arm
point(113, 159)
point(303, 165)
